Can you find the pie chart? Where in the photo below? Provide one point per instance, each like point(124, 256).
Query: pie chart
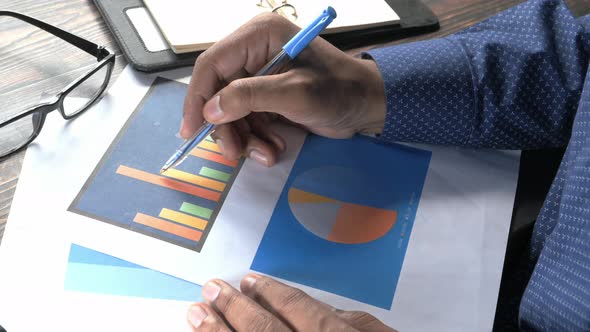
point(334, 204)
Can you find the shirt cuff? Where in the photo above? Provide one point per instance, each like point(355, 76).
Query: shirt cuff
point(429, 91)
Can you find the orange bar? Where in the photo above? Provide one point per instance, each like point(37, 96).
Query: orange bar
point(168, 227)
point(195, 179)
point(209, 146)
point(213, 157)
point(184, 219)
point(168, 183)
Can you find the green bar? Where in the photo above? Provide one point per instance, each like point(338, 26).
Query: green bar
point(214, 174)
point(208, 138)
point(196, 210)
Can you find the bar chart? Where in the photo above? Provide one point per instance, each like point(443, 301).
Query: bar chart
point(126, 189)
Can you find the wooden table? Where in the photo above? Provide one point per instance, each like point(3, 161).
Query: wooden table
point(23, 84)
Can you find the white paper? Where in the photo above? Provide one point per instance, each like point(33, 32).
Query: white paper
point(449, 280)
point(33, 299)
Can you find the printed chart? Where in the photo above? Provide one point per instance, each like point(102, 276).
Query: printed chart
point(344, 218)
point(126, 189)
point(90, 271)
point(332, 219)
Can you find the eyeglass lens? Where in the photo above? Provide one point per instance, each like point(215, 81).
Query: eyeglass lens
point(86, 92)
point(18, 133)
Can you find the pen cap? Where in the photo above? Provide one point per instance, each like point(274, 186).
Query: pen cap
point(306, 35)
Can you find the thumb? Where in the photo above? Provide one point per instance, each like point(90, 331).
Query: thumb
point(246, 95)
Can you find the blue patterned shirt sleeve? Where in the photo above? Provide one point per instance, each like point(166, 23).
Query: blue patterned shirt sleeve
point(511, 82)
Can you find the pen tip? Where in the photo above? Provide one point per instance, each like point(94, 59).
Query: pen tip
point(163, 170)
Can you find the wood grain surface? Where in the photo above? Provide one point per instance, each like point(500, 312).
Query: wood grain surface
point(33, 63)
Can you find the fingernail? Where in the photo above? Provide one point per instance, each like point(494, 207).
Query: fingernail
point(213, 109)
point(278, 141)
point(259, 157)
point(220, 145)
point(249, 281)
point(179, 135)
point(211, 291)
point(196, 315)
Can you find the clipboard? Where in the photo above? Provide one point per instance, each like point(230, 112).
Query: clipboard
point(145, 49)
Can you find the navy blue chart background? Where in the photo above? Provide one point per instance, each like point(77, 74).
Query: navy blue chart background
point(145, 143)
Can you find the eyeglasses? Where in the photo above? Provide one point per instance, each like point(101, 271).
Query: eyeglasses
point(20, 130)
point(283, 6)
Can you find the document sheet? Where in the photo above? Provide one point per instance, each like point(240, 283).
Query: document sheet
point(413, 234)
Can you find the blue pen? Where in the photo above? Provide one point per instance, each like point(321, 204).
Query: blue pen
point(291, 49)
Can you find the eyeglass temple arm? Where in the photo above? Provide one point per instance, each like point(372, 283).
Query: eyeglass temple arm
point(89, 47)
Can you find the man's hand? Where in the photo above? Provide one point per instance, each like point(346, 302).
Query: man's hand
point(325, 91)
point(268, 305)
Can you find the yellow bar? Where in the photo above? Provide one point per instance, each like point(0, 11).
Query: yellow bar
point(195, 179)
point(184, 219)
point(209, 146)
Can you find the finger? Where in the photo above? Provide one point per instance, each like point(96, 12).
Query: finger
point(252, 94)
point(261, 151)
point(192, 118)
point(260, 124)
point(295, 307)
point(242, 128)
point(240, 311)
point(228, 141)
point(202, 317)
point(363, 321)
point(242, 52)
